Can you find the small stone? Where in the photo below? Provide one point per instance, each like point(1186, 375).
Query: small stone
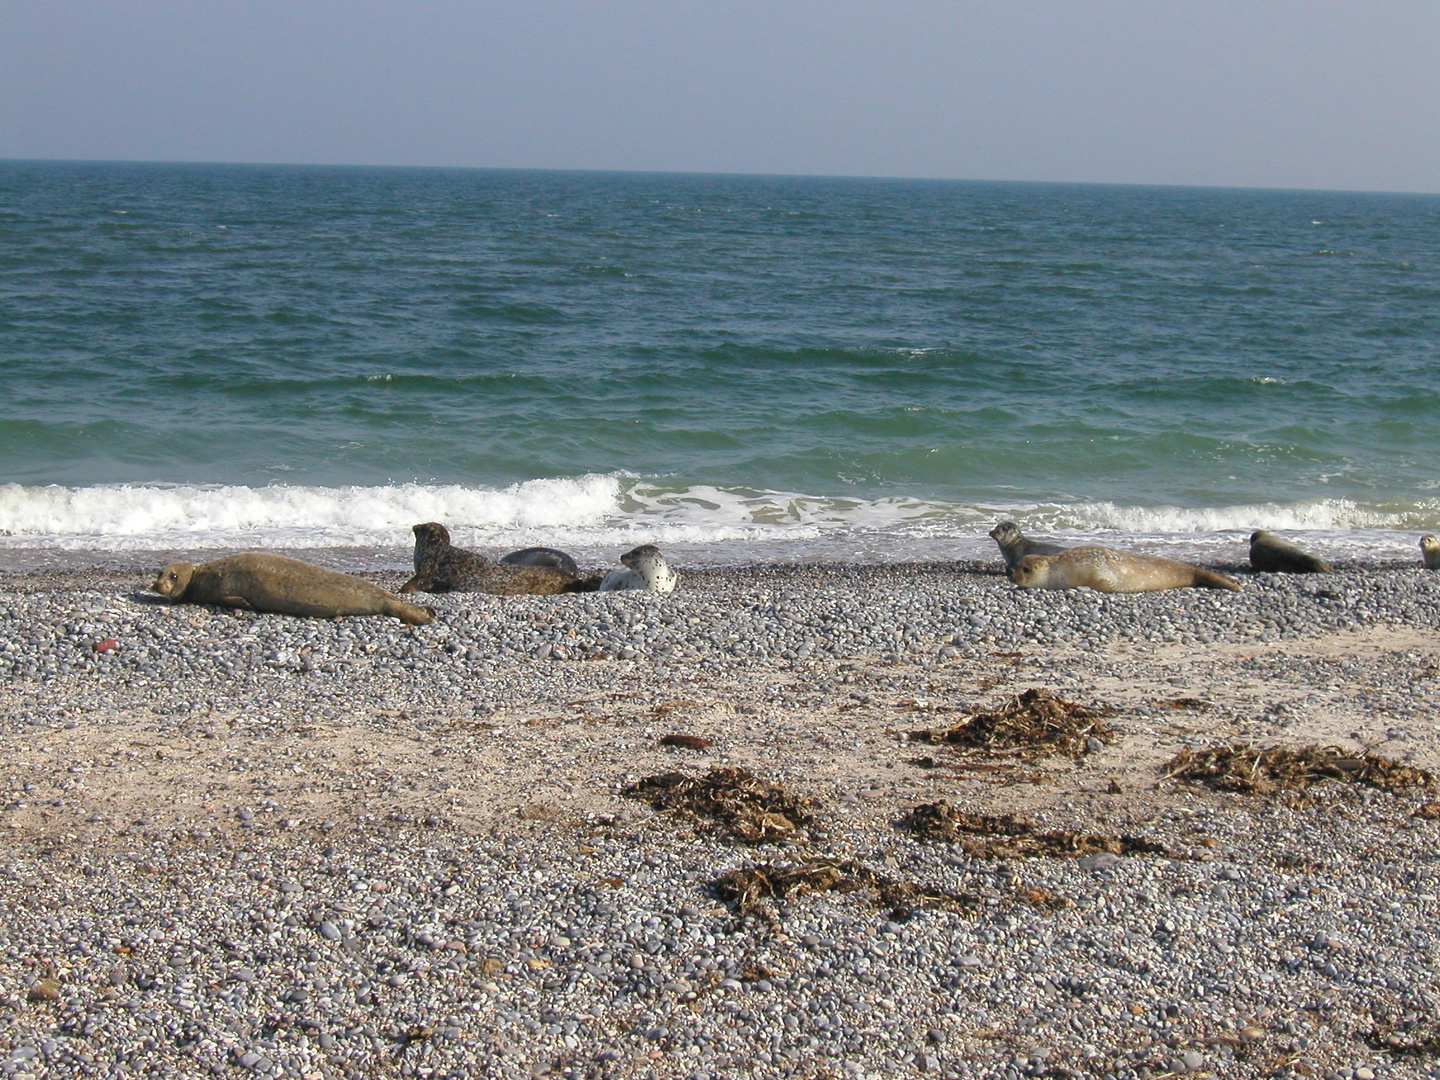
point(1193, 1060)
point(1101, 860)
point(44, 990)
point(329, 931)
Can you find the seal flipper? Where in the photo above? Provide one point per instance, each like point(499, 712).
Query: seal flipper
point(1209, 579)
point(236, 602)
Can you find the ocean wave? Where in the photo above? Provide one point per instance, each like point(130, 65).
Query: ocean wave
point(599, 512)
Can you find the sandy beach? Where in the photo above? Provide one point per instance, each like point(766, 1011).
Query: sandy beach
point(238, 843)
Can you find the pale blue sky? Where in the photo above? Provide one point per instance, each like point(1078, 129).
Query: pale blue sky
point(1271, 93)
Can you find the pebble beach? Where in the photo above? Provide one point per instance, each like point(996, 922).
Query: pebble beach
point(239, 844)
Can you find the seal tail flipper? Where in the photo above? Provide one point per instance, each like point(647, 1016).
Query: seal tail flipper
point(411, 614)
point(1209, 579)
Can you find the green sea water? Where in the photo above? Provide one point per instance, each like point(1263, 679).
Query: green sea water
point(218, 356)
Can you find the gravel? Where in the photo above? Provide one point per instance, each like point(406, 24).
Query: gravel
point(241, 844)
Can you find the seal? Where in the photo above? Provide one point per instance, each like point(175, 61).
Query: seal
point(1276, 554)
point(1014, 545)
point(1107, 570)
point(645, 569)
point(542, 556)
point(1430, 551)
point(261, 582)
point(442, 567)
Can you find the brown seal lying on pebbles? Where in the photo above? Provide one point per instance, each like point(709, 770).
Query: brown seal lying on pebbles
point(1273, 553)
point(260, 582)
point(645, 569)
point(1107, 570)
point(1430, 551)
point(1014, 545)
point(442, 567)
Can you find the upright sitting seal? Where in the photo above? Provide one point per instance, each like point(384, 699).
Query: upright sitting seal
point(442, 567)
point(1273, 553)
point(646, 569)
point(261, 582)
point(1014, 545)
point(1107, 570)
point(1430, 551)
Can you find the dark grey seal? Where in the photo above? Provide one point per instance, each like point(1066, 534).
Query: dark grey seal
point(1014, 546)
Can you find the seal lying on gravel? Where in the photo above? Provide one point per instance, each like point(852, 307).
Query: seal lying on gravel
point(1274, 553)
point(1430, 551)
point(1107, 570)
point(646, 569)
point(1014, 545)
point(442, 567)
point(542, 556)
point(261, 582)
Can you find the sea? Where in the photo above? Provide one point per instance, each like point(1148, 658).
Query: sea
point(207, 358)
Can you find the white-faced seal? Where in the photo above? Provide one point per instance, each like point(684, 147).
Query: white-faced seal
point(1277, 555)
point(261, 582)
point(442, 567)
point(1107, 570)
point(1014, 545)
point(645, 569)
point(1430, 551)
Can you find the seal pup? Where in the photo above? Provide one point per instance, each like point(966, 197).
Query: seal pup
point(1014, 545)
point(1430, 551)
point(1276, 554)
point(645, 569)
point(260, 582)
point(543, 556)
point(1107, 570)
point(442, 567)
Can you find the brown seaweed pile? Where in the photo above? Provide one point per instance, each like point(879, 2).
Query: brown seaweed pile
point(747, 887)
point(1009, 837)
point(1247, 769)
point(747, 808)
point(1032, 725)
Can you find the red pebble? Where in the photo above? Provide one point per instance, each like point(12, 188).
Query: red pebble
point(104, 646)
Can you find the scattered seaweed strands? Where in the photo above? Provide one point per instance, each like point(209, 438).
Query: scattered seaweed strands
point(1408, 1038)
point(747, 808)
point(1033, 724)
point(1245, 768)
point(1010, 837)
point(687, 742)
point(746, 888)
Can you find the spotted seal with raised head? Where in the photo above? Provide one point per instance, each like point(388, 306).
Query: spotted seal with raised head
point(1430, 551)
point(442, 567)
point(274, 583)
point(645, 568)
point(1275, 554)
point(1015, 545)
point(1107, 570)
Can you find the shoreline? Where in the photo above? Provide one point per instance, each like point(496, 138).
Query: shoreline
point(345, 848)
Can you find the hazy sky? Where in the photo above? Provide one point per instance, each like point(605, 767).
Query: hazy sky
point(1308, 93)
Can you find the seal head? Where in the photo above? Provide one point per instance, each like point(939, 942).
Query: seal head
point(1430, 551)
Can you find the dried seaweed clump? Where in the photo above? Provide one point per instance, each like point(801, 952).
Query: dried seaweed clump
point(1009, 837)
point(1247, 769)
point(1034, 724)
point(745, 888)
point(747, 808)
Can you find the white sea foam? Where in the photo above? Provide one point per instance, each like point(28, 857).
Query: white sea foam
point(596, 515)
